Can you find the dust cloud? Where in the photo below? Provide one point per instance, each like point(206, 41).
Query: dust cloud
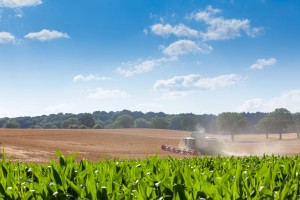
point(248, 144)
point(258, 144)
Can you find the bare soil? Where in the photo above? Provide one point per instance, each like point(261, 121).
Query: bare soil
point(32, 145)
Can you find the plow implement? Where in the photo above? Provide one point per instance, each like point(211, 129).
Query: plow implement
point(178, 150)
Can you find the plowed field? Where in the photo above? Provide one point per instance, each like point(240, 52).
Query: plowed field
point(31, 145)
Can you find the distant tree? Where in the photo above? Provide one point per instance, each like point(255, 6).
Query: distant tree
point(265, 125)
point(3, 121)
point(231, 123)
point(109, 126)
point(11, 123)
point(281, 119)
point(277, 121)
point(81, 126)
point(253, 119)
point(38, 126)
point(25, 122)
point(189, 123)
point(87, 120)
point(101, 116)
point(160, 123)
point(107, 123)
point(175, 122)
point(70, 122)
point(50, 126)
point(150, 115)
point(124, 121)
point(73, 126)
point(98, 126)
point(296, 118)
point(208, 122)
point(142, 123)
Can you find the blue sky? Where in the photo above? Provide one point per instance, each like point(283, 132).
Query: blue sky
point(174, 56)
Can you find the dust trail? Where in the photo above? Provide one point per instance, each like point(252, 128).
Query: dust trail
point(257, 144)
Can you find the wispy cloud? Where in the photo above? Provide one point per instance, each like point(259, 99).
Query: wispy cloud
point(100, 93)
point(19, 3)
point(132, 68)
point(19, 13)
point(90, 77)
point(184, 47)
point(46, 35)
point(180, 30)
point(6, 37)
point(262, 63)
point(289, 100)
point(219, 28)
point(195, 82)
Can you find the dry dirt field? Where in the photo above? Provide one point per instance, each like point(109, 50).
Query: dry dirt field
point(28, 145)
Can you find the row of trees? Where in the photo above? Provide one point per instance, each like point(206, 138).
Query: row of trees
point(121, 119)
point(279, 121)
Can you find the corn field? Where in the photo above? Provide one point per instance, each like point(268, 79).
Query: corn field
point(267, 177)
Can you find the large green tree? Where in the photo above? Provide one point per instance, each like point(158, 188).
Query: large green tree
point(11, 123)
point(231, 123)
point(70, 123)
point(142, 123)
point(87, 120)
point(265, 125)
point(160, 123)
point(281, 119)
point(124, 121)
point(189, 123)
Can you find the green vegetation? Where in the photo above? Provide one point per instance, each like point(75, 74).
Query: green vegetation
point(11, 123)
point(231, 123)
point(87, 120)
point(279, 121)
point(267, 177)
point(141, 123)
point(124, 121)
point(159, 123)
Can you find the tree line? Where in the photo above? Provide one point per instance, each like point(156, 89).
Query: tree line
point(279, 121)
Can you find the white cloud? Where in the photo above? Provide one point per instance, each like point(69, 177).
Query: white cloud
point(19, 3)
point(145, 31)
point(195, 82)
point(262, 63)
point(90, 77)
point(180, 30)
point(19, 13)
point(100, 93)
point(184, 47)
point(289, 100)
point(130, 69)
point(253, 105)
point(45, 35)
point(6, 37)
point(220, 28)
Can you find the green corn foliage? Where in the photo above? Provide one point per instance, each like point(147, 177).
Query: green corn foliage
point(267, 177)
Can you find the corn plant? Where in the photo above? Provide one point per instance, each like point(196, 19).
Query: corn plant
point(267, 177)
